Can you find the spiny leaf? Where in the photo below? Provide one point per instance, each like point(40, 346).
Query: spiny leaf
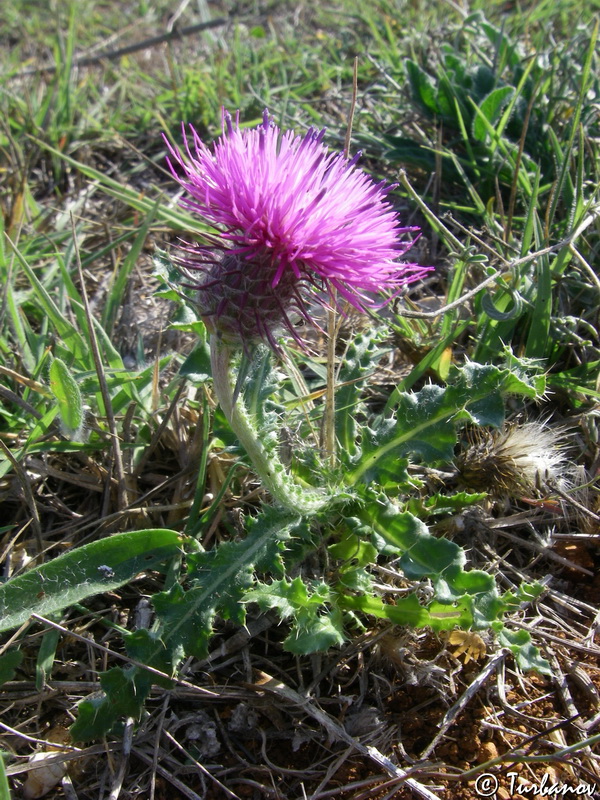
point(122, 696)
point(425, 421)
point(442, 561)
point(408, 611)
point(219, 578)
point(356, 366)
point(315, 626)
point(261, 382)
point(526, 654)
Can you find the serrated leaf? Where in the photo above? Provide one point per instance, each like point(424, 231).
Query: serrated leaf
point(218, 580)
point(409, 152)
point(408, 611)
point(423, 555)
point(261, 382)
point(354, 371)
point(189, 616)
point(442, 561)
point(315, 627)
point(354, 548)
point(284, 596)
point(97, 567)
point(122, 697)
point(316, 633)
point(124, 690)
point(95, 717)
point(148, 648)
point(425, 422)
point(357, 579)
point(443, 503)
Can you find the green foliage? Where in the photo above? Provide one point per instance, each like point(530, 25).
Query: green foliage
point(94, 568)
point(353, 374)
point(424, 423)
point(507, 130)
point(9, 662)
point(501, 130)
point(519, 643)
point(489, 103)
point(215, 583)
point(66, 391)
point(316, 627)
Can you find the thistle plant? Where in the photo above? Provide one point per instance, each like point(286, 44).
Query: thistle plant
point(297, 224)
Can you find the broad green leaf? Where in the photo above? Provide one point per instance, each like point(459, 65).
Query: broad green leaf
point(527, 655)
point(408, 152)
point(94, 568)
point(66, 391)
point(490, 110)
point(422, 87)
point(9, 662)
point(196, 366)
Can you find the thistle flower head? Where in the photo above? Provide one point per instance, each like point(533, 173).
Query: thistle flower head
point(293, 218)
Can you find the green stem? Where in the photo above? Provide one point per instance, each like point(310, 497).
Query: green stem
point(285, 491)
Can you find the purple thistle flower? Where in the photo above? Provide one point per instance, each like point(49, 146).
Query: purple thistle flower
point(292, 215)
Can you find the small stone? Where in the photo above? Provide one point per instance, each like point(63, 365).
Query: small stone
point(487, 752)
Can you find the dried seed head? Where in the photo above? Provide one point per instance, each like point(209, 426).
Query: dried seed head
point(517, 460)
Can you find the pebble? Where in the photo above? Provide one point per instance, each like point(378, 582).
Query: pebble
point(487, 752)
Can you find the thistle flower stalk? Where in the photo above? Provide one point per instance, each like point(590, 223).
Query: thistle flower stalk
point(284, 490)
